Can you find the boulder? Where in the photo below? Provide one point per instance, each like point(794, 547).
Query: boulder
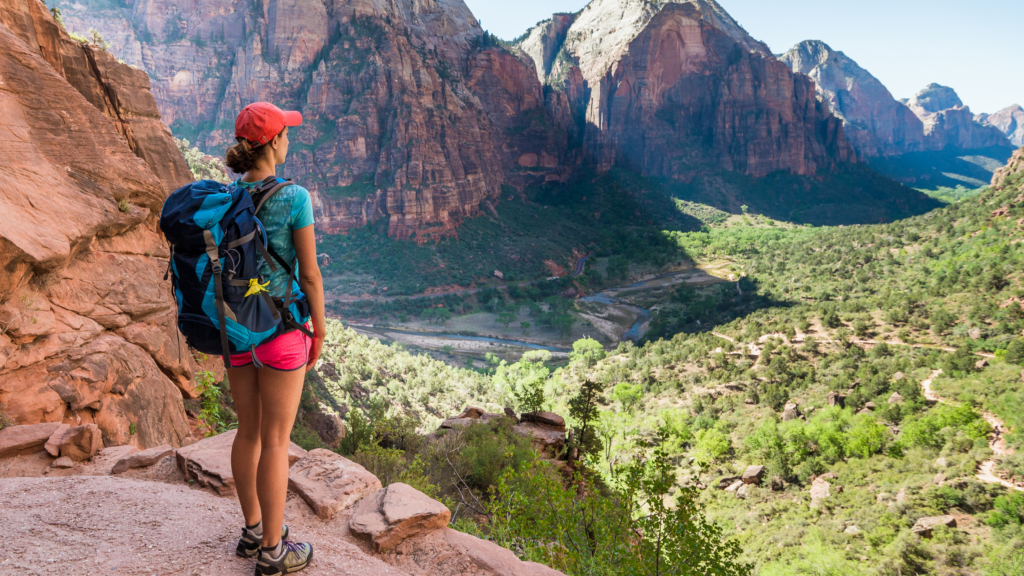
point(741, 492)
point(545, 439)
point(493, 558)
point(836, 399)
point(819, 491)
point(15, 440)
point(471, 412)
point(511, 414)
point(142, 459)
point(791, 412)
point(939, 479)
point(852, 530)
point(330, 483)
point(896, 398)
point(52, 445)
point(81, 442)
point(753, 474)
point(396, 513)
point(898, 376)
point(981, 363)
point(924, 526)
point(778, 484)
point(63, 462)
point(870, 406)
point(208, 462)
point(549, 419)
point(940, 462)
point(735, 486)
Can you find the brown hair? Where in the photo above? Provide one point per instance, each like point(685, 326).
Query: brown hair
point(242, 157)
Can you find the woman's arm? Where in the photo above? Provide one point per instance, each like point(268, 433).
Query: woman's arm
point(312, 285)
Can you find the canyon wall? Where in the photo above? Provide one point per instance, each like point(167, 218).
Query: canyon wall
point(1009, 121)
point(879, 125)
point(394, 130)
point(680, 88)
point(87, 327)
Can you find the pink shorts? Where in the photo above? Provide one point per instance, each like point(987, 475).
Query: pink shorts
point(287, 352)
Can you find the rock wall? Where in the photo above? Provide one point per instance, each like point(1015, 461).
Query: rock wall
point(393, 132)
point(875, 122)
point(1013, 168)
point(1009, 121)
point(950, 124)
point(86, 324)
point(680, 88)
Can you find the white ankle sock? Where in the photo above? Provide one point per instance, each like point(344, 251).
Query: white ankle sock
point(274, 552)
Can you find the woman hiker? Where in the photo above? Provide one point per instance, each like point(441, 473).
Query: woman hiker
point(267, 398)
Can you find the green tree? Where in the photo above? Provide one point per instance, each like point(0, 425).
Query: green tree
point(1015, 352)
point(630, 395)
point(506, 317)
point(584, 412)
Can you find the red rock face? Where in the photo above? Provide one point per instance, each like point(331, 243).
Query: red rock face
point(875, 123)
point(682, 89)
point(686, 96)
point(86, 325)
point(392, 130)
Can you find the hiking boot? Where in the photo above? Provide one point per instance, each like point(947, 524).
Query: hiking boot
point(249, 543)
point(295, 556)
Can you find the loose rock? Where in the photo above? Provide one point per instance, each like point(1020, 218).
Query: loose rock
point(329, 482)
point(896, 398)
point(208, 462)
point(81, 442)
point(15, 440)
point(142, 459)
point(753, 474)
point(791, 412)
point(393, 514)
point(63, 462)
point(924, 526)
point(489, 556)
point(52, 445)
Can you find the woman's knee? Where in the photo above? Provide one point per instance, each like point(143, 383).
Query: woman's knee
point(249, 433)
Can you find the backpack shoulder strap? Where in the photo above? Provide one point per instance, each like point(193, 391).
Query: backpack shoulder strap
point(268, 188)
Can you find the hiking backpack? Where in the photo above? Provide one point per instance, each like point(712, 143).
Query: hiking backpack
point(217, 248)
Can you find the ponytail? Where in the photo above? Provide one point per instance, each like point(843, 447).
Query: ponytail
point(242, 157)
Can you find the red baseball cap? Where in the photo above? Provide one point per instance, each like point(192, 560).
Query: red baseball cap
point(260, 122)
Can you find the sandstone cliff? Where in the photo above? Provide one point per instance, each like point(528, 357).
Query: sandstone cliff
point(1013, 168)
point(86, 325)
point(875, 122)
point(677, 88)
point(950, 124)
point(393, 130)
point(1009, 121)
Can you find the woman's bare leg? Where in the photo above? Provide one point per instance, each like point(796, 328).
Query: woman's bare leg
point(245, 452)
point(280, 393)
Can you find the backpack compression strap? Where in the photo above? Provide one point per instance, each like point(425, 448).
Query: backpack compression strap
point(213, 252)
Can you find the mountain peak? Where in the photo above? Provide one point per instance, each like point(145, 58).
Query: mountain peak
point(936, 98)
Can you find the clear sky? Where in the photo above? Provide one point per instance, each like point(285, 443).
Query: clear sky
point(975, 47)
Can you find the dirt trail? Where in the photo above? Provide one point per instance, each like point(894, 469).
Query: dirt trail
point(986, 472)
point(109, 525)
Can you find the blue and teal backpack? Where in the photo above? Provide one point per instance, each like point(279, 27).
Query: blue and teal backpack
point(217, 248)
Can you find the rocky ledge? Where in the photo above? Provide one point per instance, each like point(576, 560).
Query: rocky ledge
point(357, 525)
